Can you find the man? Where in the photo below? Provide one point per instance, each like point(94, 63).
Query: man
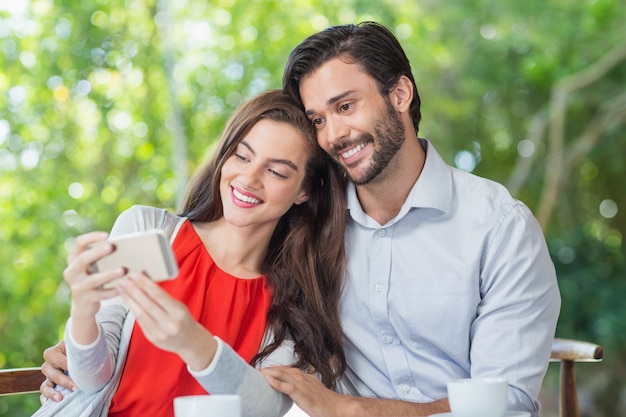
point(448, 276)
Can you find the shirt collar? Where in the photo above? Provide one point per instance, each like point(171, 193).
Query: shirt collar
point(433, 188)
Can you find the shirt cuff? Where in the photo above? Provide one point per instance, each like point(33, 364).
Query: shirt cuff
point(213, 364)
point(77, 345)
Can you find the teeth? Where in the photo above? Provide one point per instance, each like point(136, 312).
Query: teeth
point(245, 198)
point(353, 151)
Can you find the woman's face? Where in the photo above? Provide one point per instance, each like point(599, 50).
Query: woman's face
point(264, 177)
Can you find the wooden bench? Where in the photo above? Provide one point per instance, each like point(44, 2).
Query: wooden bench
point(568, 352)
point(20, 380)
point(565, 351)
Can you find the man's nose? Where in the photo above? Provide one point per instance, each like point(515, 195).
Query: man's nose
point(336, 130)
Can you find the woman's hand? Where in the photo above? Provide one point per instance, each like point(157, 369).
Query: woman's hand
point(166, 322)
point(87, 287)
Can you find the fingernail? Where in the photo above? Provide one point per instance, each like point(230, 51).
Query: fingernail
point(57, 397)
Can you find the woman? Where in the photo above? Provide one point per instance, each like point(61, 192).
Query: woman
point(259, 244)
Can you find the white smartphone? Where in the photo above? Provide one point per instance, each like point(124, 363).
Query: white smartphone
point(147, 251)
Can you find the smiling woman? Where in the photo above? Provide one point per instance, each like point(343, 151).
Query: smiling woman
point(222, 54)
point(267, 163)
point(259, 238)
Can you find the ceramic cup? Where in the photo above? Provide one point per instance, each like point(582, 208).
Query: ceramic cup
point(207, 406)
point(478, 397)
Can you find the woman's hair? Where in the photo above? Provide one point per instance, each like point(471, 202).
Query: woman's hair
point(370, 45)
point(305, 262)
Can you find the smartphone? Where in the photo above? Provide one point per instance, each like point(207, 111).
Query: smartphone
point(147, 251)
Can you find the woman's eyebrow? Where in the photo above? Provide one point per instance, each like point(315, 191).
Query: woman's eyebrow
point(286, 162)
point(275, 160)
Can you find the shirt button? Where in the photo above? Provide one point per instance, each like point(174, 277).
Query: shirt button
point(388, 339)
point(381, 232)
point(379, 287)
point(406, 388)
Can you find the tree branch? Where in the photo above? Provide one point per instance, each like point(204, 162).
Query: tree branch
point(555, 168)
point(523, 164)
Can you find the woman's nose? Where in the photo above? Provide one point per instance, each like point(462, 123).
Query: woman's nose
point(251, 176)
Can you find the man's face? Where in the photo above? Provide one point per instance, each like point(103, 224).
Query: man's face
point(357, 126)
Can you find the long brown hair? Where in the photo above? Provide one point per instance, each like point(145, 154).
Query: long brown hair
point(305, 262)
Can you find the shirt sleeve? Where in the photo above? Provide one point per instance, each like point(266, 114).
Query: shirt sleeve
point(92, 366)
point(512, 334)
point(228, 373)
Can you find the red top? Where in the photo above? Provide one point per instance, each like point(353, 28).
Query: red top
point(231, 308)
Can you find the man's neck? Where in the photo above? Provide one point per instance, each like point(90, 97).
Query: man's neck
point(382, 198)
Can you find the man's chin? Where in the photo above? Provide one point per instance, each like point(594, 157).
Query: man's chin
point(359, 177)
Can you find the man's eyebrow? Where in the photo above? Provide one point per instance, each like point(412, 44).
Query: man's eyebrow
point(332, 100)
point(274, 160)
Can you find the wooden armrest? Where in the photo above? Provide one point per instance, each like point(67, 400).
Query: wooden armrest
point(20, 380)
point(575, 350)
point(568, 352)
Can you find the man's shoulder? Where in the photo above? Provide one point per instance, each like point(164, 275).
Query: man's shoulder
point(477, 186)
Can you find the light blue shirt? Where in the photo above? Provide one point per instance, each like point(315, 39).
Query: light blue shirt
point(460, 283)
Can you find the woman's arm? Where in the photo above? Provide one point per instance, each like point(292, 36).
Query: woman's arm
point(92, 366)
point(167, 324)
point(135, 219)
point(230, 374)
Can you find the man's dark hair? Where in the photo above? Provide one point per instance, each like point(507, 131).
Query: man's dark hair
point(368, 44)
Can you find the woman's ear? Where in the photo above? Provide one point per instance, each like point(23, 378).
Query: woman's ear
point(302, 198)
point(402, 94)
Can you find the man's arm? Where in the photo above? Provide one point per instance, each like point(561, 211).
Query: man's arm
point(318, 401)
point(55, 368)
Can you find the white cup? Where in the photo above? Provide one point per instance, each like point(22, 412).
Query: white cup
point(478, 397)
point(207, 406)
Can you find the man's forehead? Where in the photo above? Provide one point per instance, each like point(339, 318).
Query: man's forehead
point(333, 81)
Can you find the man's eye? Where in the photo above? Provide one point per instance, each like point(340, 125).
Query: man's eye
point(317, 121)
point(345, 107)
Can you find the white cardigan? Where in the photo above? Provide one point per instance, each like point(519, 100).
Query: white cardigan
point(228, 373)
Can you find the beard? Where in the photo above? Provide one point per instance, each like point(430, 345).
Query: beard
point(387, 139)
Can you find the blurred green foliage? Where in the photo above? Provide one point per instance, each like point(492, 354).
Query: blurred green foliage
point(105, 104)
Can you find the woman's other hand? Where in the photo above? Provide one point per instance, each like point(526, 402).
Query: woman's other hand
point(166, 322)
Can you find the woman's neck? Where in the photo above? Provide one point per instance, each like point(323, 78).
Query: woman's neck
point(239, 251)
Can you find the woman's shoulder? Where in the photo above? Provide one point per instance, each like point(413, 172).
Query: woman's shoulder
point(139, 218)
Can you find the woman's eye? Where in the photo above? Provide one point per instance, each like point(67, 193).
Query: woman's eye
point(278, 174)
point(240, 157)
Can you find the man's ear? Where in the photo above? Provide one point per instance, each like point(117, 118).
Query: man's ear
point(304, 197)
point(401, 94)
